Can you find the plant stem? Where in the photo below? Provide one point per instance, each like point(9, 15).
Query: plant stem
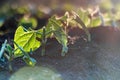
point(3, 48)
point(10, 66)
point(101, 18)
point(9, 60)
point(43, 42)
point(77, 19)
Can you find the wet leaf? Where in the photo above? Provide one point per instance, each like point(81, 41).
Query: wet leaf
point(26, 40)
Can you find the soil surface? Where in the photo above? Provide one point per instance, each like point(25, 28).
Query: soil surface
point(95, 60)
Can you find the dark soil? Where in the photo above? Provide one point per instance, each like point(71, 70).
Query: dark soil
point(95, 60)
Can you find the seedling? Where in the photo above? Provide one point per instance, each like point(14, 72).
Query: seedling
point(27, 40)
point(7, 52)
point(77, 19)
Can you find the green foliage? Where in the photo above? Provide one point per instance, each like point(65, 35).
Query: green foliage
point(106, 5)
point(111, 19)
point(6, 52)
point(28, 22)
point(10, 51)
point(40, 14)
point(29, 60)
point(79, 20)
point(95, 22)
point(6, 11)
point(22, 9)
point(59, 33)
point(83, 15)
point(89, 22)
point(25, 39)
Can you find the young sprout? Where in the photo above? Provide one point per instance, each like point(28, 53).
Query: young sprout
point(9, 55)
point(7, 52)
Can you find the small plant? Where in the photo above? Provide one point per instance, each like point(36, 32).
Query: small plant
point(7, 52)
point(78, 19)
point(26, 39)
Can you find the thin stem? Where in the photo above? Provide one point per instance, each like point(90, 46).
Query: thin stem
point(24, 53)
point(101, 18)
point(3, 48)
point(43, 42)
point(10, 66)
point(77, 19)
point(9, 60)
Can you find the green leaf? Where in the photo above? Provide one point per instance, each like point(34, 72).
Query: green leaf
point(9, 49)
point(95, 22)
point(49, 29)
point(83, 15)
point(29, 61)
point(26, 40)
point(62, 39)
point(59, 34)
point(78, 20)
